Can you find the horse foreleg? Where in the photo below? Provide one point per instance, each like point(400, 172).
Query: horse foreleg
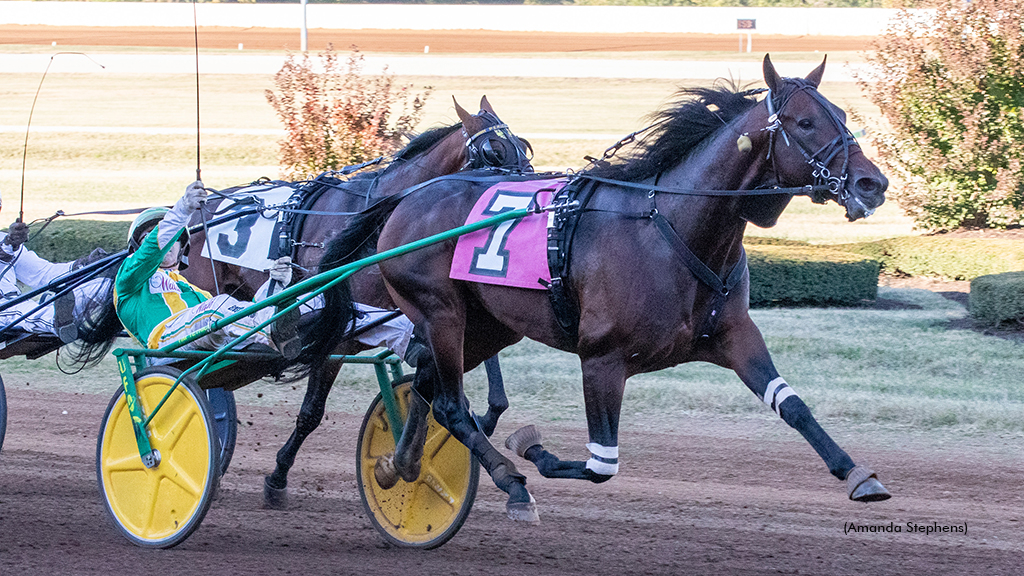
point(746, 353)
point(321, 379)
point(603, 382)
point(526, 442)
point(497, 401)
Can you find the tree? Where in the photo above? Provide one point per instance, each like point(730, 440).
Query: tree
point(951, 89)
point(334, 116)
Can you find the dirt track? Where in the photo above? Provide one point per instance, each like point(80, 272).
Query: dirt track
point(715, 498)
point(449, 41)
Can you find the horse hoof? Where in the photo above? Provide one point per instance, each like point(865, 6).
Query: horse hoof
point(384, 472)
point(523, 439)
point(274, 498)
point(523, 511)
point(863, 486)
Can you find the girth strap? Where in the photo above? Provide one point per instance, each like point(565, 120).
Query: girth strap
point(701, 271)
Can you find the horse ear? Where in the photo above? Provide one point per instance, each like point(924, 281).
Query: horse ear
point(815, 76)
point(463, 115)
point(771, 77)
point(486, 106)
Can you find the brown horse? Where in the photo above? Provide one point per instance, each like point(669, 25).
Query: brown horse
point(657, 272)
point(478, 141)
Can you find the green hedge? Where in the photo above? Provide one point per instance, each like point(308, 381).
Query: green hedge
point(799, 274)
point(65, 240)
point(998, 298)
point(952, 258)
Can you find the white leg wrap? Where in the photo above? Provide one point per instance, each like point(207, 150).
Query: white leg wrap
point(776, 392)
point(605, 459)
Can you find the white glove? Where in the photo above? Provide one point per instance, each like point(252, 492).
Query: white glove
point(194, 196)
point(281, 271)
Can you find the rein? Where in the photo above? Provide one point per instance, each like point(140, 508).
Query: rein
point(808, 190)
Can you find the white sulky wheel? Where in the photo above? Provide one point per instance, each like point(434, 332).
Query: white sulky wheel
point(159, 507)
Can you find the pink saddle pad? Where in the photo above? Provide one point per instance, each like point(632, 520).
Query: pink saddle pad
point(513, 253)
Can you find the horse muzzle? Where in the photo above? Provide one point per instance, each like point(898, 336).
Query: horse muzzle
point(865, 196)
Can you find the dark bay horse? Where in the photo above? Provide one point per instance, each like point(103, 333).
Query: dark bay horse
point(658, 271)
point(478, 141)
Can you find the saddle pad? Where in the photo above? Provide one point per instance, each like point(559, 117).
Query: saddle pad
point(248, 241)
point(513, 253)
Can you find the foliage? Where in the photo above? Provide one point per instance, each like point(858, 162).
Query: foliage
point(952, 90)
point(335, 116)
point(806, 275)
point(998, 298)
point(943, 256)
point(65, 240)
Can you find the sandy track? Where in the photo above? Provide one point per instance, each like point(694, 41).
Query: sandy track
point(440, 41)
point(714, 498)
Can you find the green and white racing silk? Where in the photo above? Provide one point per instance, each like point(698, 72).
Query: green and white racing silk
point(146, 296)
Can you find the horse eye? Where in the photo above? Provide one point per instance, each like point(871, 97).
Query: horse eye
point(805, 124)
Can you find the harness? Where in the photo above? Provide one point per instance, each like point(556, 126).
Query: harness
point(571, 202)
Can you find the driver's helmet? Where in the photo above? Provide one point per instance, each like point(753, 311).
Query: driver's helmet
point(145, 222)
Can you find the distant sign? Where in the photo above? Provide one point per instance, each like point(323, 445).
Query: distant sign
point(746, 24)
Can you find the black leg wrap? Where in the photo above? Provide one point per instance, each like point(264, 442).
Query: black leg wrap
point(501, 469)
point(550, 466)
point(798, 415)
point(595, 477)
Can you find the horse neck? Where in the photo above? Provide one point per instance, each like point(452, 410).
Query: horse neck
point(711, 225)
point(446, 157)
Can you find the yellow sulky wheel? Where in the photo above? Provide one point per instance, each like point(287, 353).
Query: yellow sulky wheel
point(158, 507)
point(425, 513)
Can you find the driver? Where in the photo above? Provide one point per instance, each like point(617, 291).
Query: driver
point(158, 306)
point(21, 265)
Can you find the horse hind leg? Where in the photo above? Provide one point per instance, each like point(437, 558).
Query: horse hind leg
point(404, 463)
point(275, 486)
point(451, 409)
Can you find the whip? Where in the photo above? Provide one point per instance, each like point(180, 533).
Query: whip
point(28, 127)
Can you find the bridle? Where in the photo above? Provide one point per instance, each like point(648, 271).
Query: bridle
point(482, 147)
point(818, 160)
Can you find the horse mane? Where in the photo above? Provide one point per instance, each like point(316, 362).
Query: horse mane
point(694, 115)
point(425, 141)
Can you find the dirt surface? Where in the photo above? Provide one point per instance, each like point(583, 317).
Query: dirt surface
point(439, 41)
point(714, 497)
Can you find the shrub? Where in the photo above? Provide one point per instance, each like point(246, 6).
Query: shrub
point(951, 89)
point(335, 116)
point(998, 298)
point(805, 275)
point(65, 240)
point(953, 258)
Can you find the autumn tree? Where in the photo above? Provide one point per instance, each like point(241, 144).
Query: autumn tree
point(334, 115)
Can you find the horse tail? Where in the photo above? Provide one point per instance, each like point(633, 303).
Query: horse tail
point(358, 240)
point(98, 326)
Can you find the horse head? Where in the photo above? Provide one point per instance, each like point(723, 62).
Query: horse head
point(811, 144)
point(490, 143)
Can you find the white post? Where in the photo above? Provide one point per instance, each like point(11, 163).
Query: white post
point(750, 41)
point(304, 43)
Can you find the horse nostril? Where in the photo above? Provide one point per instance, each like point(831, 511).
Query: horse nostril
point(869, 187)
